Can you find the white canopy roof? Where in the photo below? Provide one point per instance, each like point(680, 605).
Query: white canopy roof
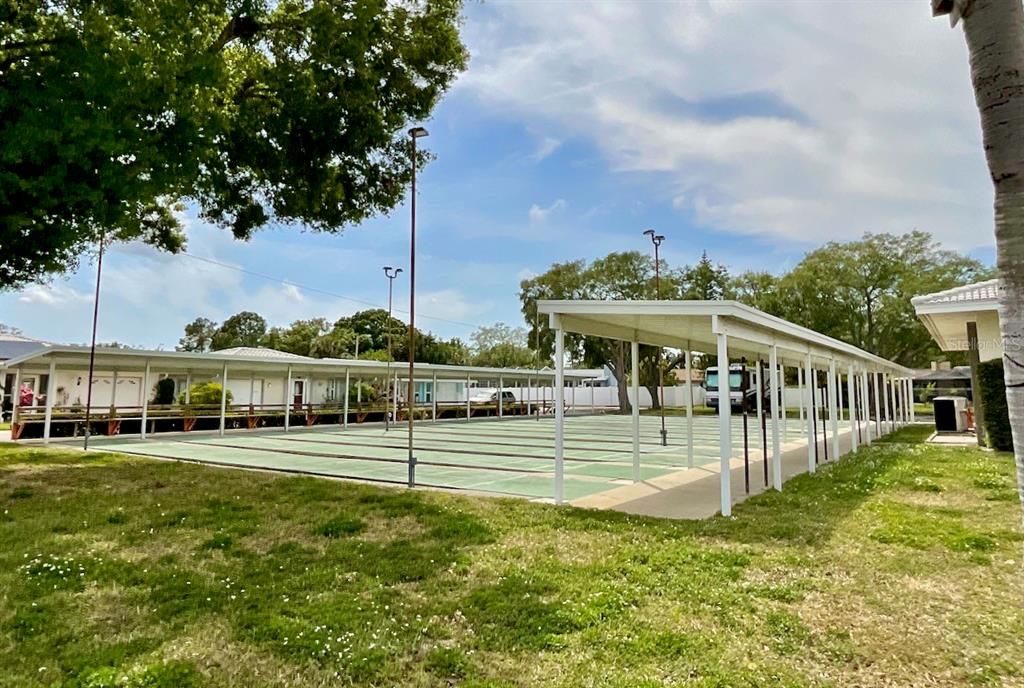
point(258, 360)
point(946, 313)
point(694, 325)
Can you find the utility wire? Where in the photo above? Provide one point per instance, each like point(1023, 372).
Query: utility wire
point(317, 290)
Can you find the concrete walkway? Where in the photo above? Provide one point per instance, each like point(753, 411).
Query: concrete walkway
point(695, 493)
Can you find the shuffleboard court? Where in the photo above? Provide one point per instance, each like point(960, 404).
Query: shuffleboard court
point(512, 456)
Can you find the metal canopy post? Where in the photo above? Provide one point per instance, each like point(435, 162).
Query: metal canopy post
point(433, 398)
point(812, 440)
point(634, 353)
point(878, 404)
point(51, 380)
point(782, 399)
point(759, 377)
point(468, 410)
point(288, 402)
point(145, 404)
point(724, 426)
point(16, 402)
point(501, 394)
point(345, 402)
point(800, 392)
point(559, 414)
point(689, 407)
point(891, 400)
point(833, 383)
point(854, 414)
point(223, 397)
point(865, 406)
point(776, 408)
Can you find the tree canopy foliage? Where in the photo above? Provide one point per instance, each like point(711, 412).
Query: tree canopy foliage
point(113, 113)
point(318, 338)
point(502, 346)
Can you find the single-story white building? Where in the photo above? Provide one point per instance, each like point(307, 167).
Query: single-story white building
point(47, 389)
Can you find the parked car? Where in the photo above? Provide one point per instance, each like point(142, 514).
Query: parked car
point(489, 396)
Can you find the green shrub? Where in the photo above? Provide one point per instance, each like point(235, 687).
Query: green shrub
point(361, 390)
point(993, 395)
point(163, 393)
point(204, 393)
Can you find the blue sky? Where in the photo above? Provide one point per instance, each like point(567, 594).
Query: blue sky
point(755, 131)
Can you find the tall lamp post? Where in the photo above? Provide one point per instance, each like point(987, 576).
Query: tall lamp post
point(414, 133)
point(92, 348)
point(657, 239)
point(391, 273)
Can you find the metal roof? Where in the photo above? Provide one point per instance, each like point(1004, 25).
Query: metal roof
point(259, 352)
point(258, 360)
point(14, 345)
point(696, 324)
point(969, 297)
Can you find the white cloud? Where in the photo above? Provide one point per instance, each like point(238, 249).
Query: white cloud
point(447, 304)
point(548, 145)
point(53, 295)
point(538, 214)
point(802, 121)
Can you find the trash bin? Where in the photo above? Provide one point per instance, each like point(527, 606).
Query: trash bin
point(950, 414)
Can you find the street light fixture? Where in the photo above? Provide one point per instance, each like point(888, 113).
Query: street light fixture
point(391, 273)
point(657, 240)
point(414, 133)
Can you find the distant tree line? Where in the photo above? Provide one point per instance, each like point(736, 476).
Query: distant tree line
point(499, 345)
point(857, 291)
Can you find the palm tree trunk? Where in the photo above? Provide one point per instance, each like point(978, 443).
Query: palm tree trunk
point(995, 38)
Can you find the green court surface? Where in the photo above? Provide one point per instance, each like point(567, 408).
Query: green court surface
point(511, 456)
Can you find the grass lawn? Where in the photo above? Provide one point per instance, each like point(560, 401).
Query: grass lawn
point(897, 567)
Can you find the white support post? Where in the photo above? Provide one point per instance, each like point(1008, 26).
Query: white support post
point(878, 404)
point(854, 413)
point(501, 393)
point(572, 395)
point(593, 401)
point(288, 401)
point(113, 392)
point(16, 397)
point(760, 385)
point(833, 400)
point(252, 387)
point(891, 400)
point(800, 391)
point(433, 398)
point(394, 399)
point(782, 399)
point(51, 386)
point(145, 401)
point(634, 353)
point(188, 388)
point(468, 410)
point(776, 410)
point(559, 414)
point(809, 414)
point(910, 400)
point(865, 406)
point(724, 427)
point(344, 411)
point(529, 395)
point(689, 407)
point(223, 397)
